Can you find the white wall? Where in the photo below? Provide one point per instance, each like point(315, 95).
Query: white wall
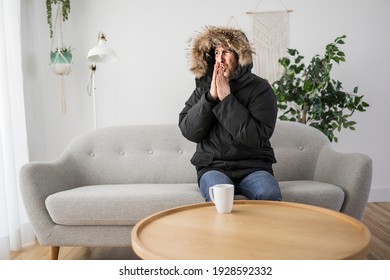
point(151, 81)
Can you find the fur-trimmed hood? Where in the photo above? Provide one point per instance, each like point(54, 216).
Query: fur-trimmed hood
point(203, 45)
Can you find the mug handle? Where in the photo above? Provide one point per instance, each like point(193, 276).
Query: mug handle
point(211, 193)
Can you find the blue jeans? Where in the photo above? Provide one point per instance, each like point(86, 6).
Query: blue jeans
point(259, 185)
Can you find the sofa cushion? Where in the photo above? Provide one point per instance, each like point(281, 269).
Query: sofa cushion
point(313, 193)
point(121, 204)
point(126, 204)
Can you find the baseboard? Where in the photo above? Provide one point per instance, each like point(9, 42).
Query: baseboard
point(379, 194)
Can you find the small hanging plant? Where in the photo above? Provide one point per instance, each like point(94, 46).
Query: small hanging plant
point(61, 60)
point(49, 12)
point(308, 94)
point(60, 56)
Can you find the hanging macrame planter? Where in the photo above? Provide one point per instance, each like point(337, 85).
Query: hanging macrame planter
point(60, 55)
point(61, 62)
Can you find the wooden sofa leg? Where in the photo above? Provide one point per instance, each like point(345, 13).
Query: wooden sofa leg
point(54, 251)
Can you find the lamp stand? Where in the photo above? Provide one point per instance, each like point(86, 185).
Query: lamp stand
point(99, 54)
point(92, 92)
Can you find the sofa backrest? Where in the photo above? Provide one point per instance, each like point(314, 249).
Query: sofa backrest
point(160, 154)
point(133, 154)
point(296, 148)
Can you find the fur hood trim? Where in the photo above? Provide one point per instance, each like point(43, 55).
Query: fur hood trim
point(204, 43)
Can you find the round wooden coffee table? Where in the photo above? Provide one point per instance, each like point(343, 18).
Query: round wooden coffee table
point(254, 230)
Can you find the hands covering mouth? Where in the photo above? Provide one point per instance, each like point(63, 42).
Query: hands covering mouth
point(219, 85)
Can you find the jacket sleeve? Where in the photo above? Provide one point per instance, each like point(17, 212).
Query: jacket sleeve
point(197, 117)
point(251, 125)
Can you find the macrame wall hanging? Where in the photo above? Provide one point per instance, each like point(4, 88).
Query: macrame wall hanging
point(232, 22)
point(270, 39)
point(60, 55)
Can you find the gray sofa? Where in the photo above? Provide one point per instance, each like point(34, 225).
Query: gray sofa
point(110, 178)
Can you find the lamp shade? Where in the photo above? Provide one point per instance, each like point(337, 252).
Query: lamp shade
point(102, 53)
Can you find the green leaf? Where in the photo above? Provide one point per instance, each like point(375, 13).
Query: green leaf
point(283, 118)
point(285, 62)
point(298, 59)
point(340, 53)
point(292, 52)
point(308, 85)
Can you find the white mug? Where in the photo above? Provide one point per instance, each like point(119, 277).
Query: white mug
point(222, 195)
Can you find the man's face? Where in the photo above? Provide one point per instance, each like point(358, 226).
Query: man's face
point(227, 60)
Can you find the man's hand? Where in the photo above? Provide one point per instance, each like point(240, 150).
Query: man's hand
point(213, 88)
point(219, 85)
point(223, 88)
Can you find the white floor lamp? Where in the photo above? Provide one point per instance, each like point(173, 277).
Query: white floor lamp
point(99, 54)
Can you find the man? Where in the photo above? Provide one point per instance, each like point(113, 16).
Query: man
point(231, 115)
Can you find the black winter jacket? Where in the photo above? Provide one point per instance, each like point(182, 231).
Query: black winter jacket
point(232, 135)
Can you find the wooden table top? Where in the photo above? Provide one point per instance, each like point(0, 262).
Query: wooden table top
point(254, 230)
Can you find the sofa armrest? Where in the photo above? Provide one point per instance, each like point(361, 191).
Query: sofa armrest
point(37, 182)
point(350, 171)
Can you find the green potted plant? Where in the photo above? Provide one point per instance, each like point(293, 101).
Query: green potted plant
point(308, 94)
point(61, 56)
point(61, 60)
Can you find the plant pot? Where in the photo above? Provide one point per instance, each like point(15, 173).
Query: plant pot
point(61, 62)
